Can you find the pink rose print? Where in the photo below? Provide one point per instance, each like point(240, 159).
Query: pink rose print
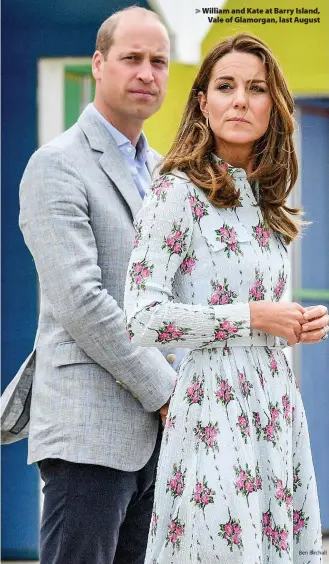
point(245, 385)
point(228, 235)
point(280, 286)
point(283, 495)
point(262, 235)
point(175, 533)
point(225, 329)
point(199, 208)
point(257, 291)
point(154, 522)
point(276, 536)
point(188, 263)
point(296, 478)
point(231, 532)
point(221, 294)
point(170, 332)
point(225, 167)
point(138, 229)
point(139, 273)
point(175, 242)
point(246, 483)
point(202, 495)
point(161, 186)
point(207, 435)
point(272, 429)
point(300, 522)
point(176, 483)
point(243, 424)
point(257, 424)
point(195, 391)
point(224, 392)
point(273, 363)
point(170, 424)
point(286, 408)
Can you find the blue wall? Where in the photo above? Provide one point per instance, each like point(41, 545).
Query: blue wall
point(315, 275)
point(30, 30)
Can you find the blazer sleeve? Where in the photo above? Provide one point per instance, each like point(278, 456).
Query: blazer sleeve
point(54, 219)
point(164, 234)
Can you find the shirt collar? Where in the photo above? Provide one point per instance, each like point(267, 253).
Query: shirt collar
point(139, 152)
point(229, 168)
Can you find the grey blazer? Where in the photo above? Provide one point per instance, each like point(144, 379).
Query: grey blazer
point(94, 394)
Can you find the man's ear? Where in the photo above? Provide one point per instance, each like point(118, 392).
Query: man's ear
point(202, 99)
point(96, 65)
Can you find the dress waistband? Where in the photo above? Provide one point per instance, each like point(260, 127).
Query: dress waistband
point(256, 339)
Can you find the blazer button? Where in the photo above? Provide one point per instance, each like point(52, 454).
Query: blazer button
point(171, 358)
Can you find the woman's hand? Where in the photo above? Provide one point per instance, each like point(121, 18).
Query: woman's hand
point(281, 319)
point(316, 324)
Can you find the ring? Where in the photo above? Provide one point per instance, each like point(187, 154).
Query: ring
point(326, 335)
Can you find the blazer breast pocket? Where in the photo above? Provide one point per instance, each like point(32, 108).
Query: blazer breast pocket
point(69, 353)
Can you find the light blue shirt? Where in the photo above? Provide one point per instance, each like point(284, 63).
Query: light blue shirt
point(135, 157)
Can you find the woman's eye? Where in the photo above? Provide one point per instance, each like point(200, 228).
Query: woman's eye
point(256, 88)
point(224, 87)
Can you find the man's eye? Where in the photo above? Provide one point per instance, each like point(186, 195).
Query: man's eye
point(159, 61)
point(131, 57)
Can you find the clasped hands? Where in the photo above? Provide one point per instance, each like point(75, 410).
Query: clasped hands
point(290, 320)
point(293, 322)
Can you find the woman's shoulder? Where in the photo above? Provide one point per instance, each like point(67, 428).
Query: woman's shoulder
point(173, 181)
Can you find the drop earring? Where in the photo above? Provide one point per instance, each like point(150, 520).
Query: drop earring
point(207, 121)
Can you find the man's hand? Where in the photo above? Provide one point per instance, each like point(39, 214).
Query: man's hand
point(164, 413)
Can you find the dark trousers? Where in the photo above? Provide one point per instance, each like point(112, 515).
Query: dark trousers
point(95, 515)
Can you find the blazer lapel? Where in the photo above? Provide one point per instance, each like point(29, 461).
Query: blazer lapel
point(111, 160)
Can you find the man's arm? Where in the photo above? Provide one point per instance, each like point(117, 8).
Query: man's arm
point(55, 222)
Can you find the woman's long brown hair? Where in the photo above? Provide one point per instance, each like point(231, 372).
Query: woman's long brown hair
point(273, 156)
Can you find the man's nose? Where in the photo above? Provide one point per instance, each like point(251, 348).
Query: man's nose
point(145, 72)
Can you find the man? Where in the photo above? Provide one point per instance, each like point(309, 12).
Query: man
point(94, 414)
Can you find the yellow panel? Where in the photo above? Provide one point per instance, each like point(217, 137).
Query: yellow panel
point(162, 127)
point(302, 49)
point(303, 52)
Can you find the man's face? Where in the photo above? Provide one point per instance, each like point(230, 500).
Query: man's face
point(131, 81)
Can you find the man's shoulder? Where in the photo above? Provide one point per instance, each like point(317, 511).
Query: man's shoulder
point(65, 146)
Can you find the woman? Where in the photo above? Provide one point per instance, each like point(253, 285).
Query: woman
point(235, 478)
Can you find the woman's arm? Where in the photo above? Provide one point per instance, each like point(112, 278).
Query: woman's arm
point(165, 226)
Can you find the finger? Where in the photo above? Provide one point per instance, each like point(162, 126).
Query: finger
point(293, 339)
point(317, 311)
point(312, 336)
point(316, 323)
point(297, 328)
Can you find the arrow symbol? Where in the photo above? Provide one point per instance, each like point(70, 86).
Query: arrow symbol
point(197, 11)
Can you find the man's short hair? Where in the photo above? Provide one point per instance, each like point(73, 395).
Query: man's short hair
point(105, 34)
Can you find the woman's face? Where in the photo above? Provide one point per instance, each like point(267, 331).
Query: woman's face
point(238, 102)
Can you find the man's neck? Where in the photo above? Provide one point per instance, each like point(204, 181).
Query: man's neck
point(130, 128)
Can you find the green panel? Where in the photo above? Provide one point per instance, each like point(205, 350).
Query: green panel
point(311, 294)
point(75, 95)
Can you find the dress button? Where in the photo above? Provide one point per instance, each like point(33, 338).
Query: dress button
point(171, 358)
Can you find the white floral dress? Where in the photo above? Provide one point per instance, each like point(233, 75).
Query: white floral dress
point(235, 480)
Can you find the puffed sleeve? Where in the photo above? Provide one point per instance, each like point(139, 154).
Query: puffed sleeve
point(164, 230)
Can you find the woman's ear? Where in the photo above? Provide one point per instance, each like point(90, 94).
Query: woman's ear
point(202, 99)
